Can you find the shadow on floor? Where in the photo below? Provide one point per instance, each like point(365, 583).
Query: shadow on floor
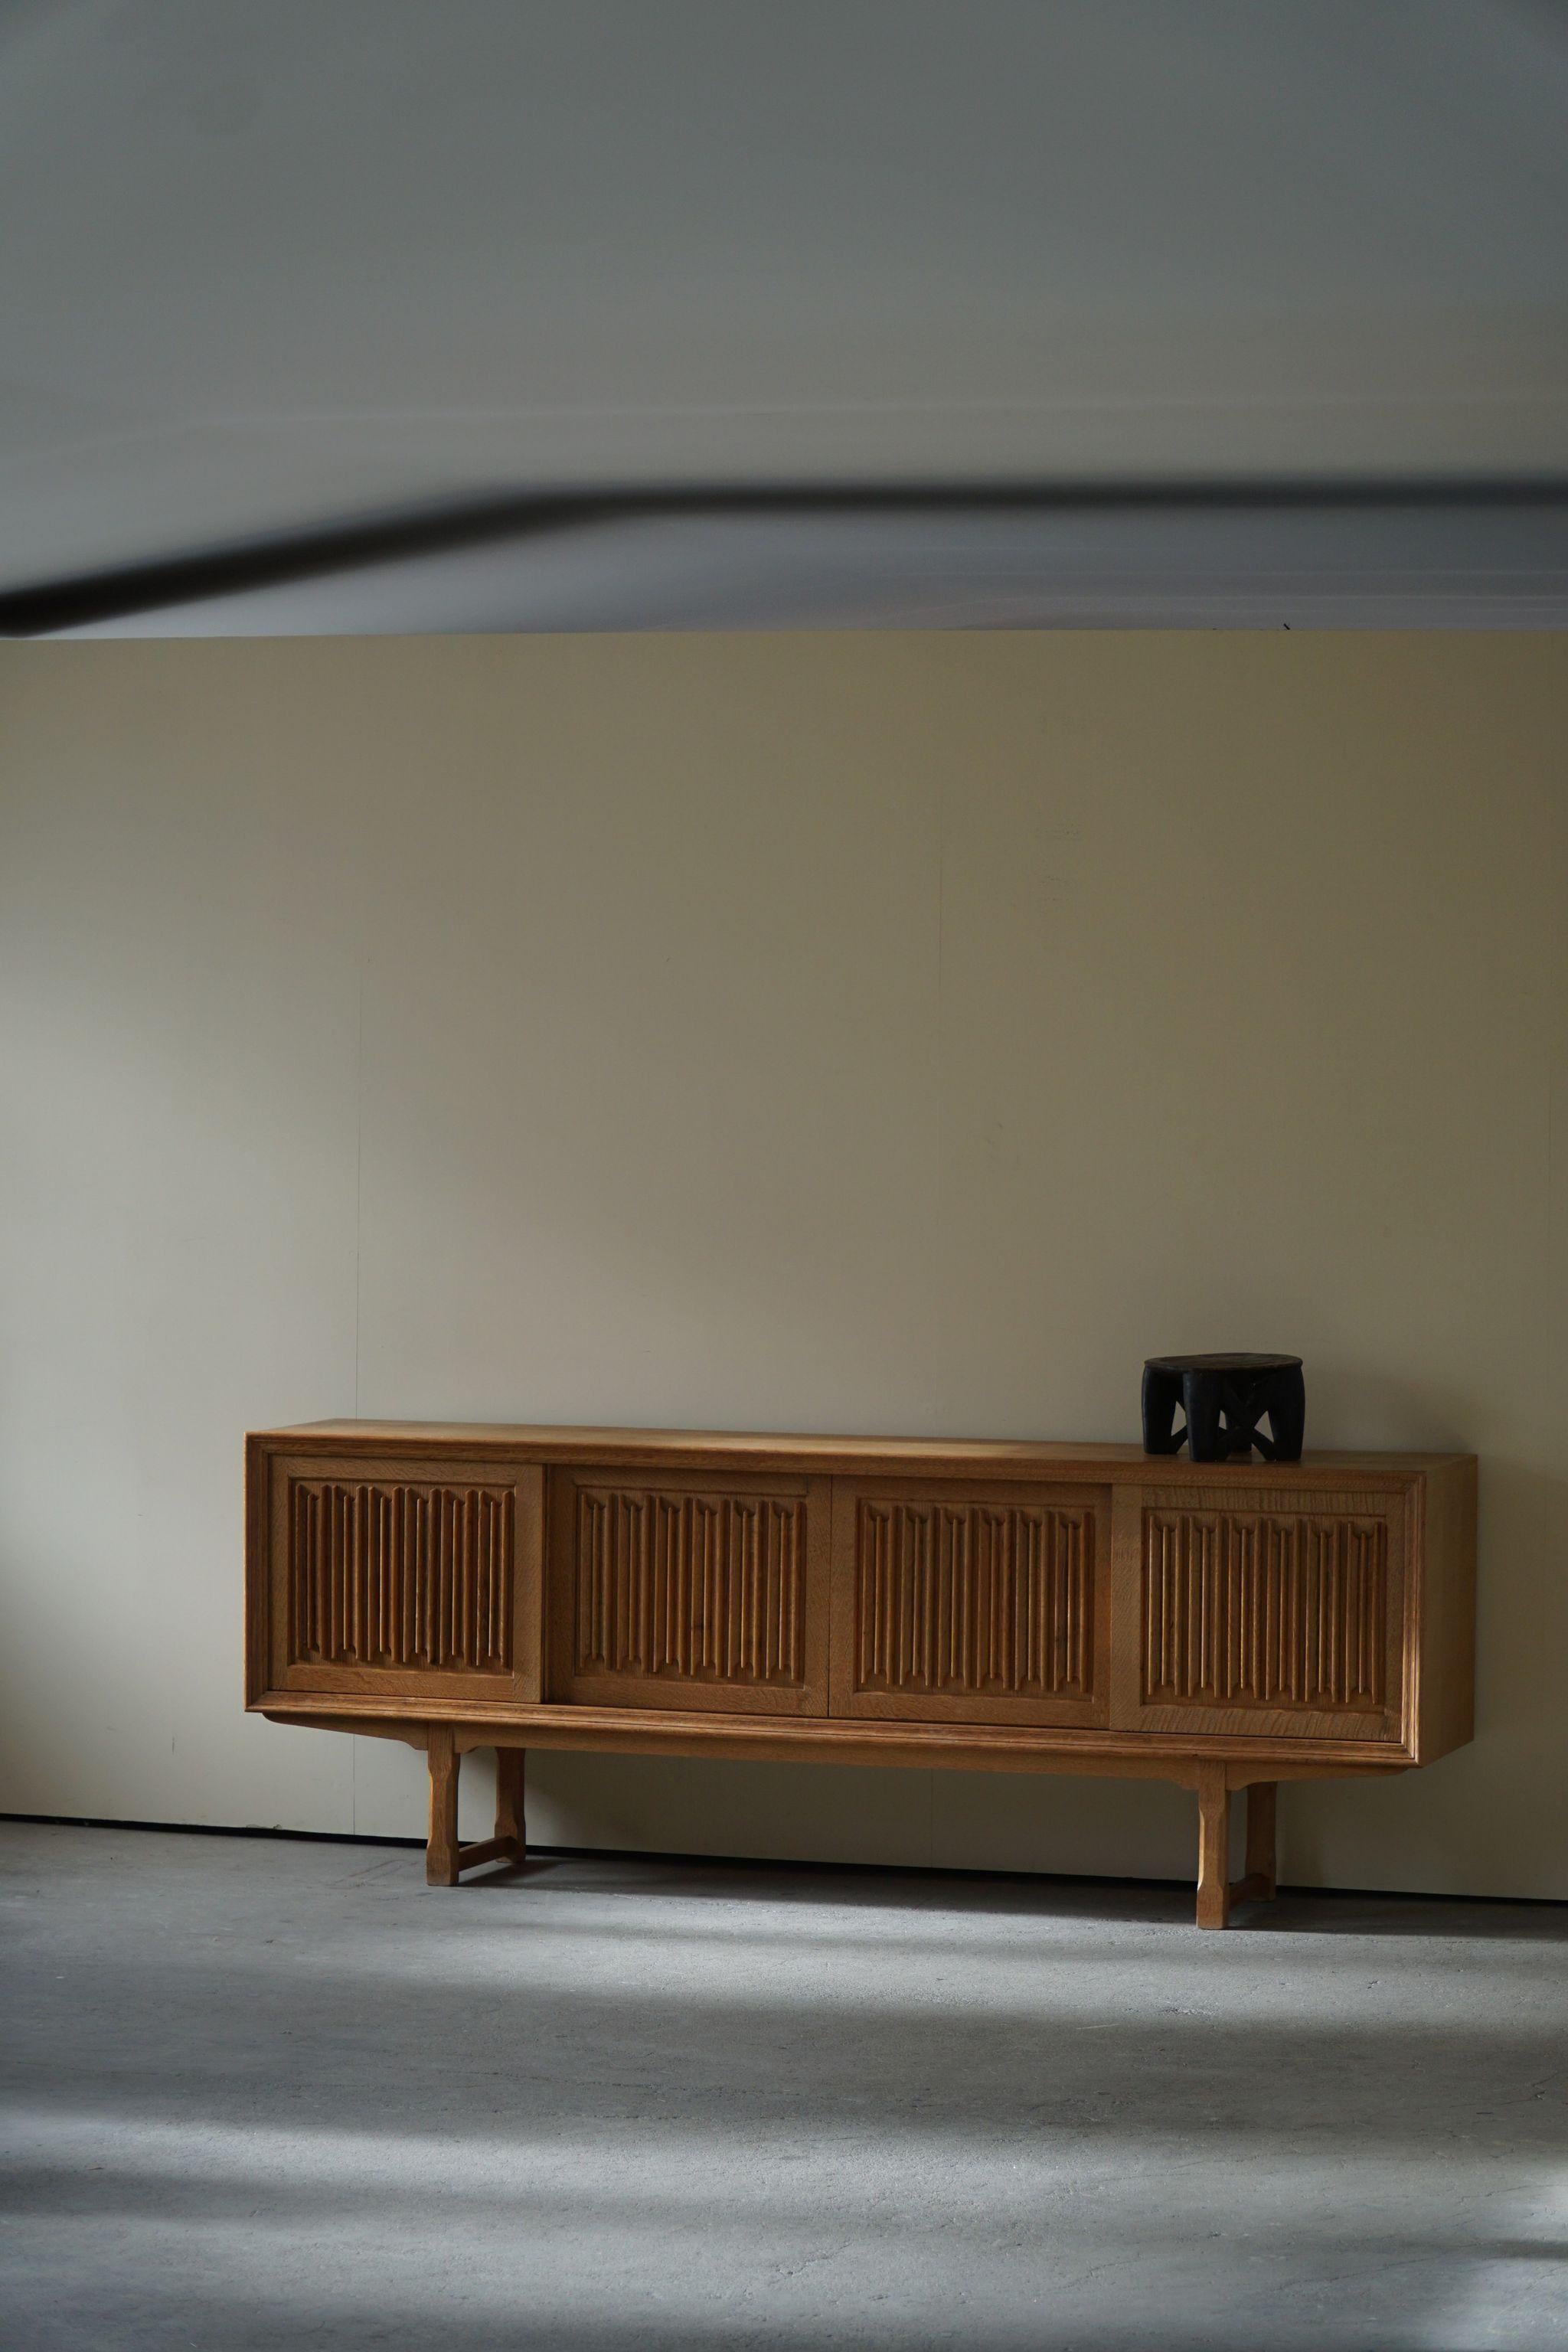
point(264, 2095)
point(1296, 1911)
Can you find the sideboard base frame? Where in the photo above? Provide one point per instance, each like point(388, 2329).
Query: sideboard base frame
point(1214, 1779)
point(444, 1857)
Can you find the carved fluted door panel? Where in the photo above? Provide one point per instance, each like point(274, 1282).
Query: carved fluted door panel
point(399, 1577)
point(689, 1592)
point(970, 1604)
point(1266, 1612)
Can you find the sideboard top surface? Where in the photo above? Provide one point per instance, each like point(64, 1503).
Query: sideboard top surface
point(934, 1456)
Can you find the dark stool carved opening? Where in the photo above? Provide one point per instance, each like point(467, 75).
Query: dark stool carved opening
point(1225, 1398)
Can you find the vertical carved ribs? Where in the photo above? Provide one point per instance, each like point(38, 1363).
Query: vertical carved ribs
point(1244, 1609)
point(702, 1586)
point(400, 1576)
point(960, 1597)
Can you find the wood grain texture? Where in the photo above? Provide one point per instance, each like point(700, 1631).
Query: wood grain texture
point(259, 1670)
point(1281, 1609)
point(668, 1591)
point(446, 1858)
point(822, 1455)
point(961, 1602)
point(405, 1574)
point(1214, 1847)
point(1443, 1645)
point(1252, 1608)
point(411, 1731)
point(371, 1573)
point(707, 1587)
point(973, 1598)
point(619, 1728)
point(441, 1847)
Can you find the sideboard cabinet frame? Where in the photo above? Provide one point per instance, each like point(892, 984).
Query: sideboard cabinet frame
point(438, 1684)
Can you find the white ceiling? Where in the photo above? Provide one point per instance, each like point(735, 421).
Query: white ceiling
point(270, 263)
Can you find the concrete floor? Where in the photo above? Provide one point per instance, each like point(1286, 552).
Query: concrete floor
point(264, 2094)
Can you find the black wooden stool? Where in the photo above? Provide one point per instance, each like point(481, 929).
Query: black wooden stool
point(1225, 1398)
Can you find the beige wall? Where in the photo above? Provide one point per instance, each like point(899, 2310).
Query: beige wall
point(843, 1033)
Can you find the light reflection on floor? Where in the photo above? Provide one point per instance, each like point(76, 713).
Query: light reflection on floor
point(261, 2093)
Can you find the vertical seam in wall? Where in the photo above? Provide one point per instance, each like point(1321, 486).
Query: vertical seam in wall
point(359, 1199)
point(1557, 1080)
point(941, 877)
point(359, 1165)
point(937, 1404)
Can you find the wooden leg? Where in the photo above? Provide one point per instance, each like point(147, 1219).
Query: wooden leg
point(1214, 1847)
point(441, 1853)
point(510, 1829)
point(1259, 1880)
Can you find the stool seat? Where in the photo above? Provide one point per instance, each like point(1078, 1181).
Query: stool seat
point(1223, 1399)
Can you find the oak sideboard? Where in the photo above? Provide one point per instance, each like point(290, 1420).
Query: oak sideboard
point(1006, 1607)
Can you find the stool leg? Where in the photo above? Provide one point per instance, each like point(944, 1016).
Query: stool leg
point(509, 1828)
point(1288, 1413)
point(1162, 1396)
point(1214, 1847)
point(441, 1853)
point(1202, 1400)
